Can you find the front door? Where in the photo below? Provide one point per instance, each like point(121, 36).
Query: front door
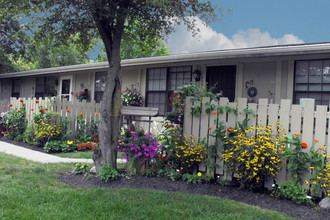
point(223, 80)
point(66, 87)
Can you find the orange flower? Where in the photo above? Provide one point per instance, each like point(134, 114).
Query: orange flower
point(297, 135)
point(80, 114)
point(68, 111)
point(168, 126)
point(321, 149)
point(97, 113)
point(304, 145)
point(214, 113)
point(173, 129)
point(209, 128)
point(175, 136)
point(229, 129)
point(4, 106)
point(27, 115)
point(316, 141)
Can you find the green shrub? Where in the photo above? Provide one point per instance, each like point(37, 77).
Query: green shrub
point(81, 168)
point(107, 172)
point(59, 146)
point(14, 121)
point(192, 178)
point(293, 191)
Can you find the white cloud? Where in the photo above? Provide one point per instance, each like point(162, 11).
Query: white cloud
point(182, 41)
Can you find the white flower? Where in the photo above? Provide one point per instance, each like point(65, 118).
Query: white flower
point(308, 197)
point(273, 185)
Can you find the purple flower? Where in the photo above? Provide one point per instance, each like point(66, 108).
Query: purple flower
point(132, 148)
point(139, 154)
point(145, 158)
point(151, 156)
point(135, 156)
point(146, 149)
point(136, 138)
point(144, 145)
point(147, 154)
point(118, 150)
point(125, 157)
point(125, 144)
point(128, 130)
point(131, 144)
point(147, 136)
point(150, 139)
point(133, 133)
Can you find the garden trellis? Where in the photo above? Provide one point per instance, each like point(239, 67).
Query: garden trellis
point(311, 123)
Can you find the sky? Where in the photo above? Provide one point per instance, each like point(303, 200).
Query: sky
point(254, 23)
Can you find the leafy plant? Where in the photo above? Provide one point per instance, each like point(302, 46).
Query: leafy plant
point(131, 97)
point(298, 160)
point(107, 172)
point(192, 178)
point(253, 157)
point(137, 148)
point(293, 191)
point(81, 168)
point(14, 121)
point(59, 146)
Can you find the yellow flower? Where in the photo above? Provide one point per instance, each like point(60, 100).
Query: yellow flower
point(199, 174)
point(306, 182)
point(70, 142)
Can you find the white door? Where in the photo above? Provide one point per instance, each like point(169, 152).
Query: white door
point(66, 87)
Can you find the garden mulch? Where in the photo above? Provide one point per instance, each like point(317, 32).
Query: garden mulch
point(262, 200)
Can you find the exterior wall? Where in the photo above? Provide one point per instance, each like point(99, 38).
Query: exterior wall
point(264, 80)
point(81, 81)
point(27, 86)
point(5, 89)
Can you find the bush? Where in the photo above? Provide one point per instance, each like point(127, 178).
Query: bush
point(59, 146)
point(131, 98)
point(107, 172)
point(138, 148)
point(81, 168)
point(14, 121)
point(253, 157)
point(293, 191)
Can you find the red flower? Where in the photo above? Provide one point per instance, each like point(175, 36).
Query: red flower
point(304, 145)
point(229, 129)
point(4, 106)
point(75, 140)
point(168, 165)
point(37, 101)
point(40, 110)
point(214, 113)
point(21, 100)
point(95, 139)
point(68, 111)
point(10, 105)
point(182, 107)
point(32, 109)
point(46, 109)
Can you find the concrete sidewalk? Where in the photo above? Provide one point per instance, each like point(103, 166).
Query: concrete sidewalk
point(36, 155)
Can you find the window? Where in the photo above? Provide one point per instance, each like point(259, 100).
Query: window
point(15, 88)
point(162, 82)
point(100, 80)
point(46, 87)
point(312, 80)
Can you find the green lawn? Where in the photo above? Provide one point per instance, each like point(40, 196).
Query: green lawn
point(30, 190)
point(81, 154)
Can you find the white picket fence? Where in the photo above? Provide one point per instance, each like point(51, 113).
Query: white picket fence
point(294, 119)
point(66, 109)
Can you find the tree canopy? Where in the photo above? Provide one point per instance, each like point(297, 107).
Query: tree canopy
point(114, 21)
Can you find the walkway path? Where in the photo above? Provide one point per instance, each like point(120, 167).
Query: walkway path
point(39, 156)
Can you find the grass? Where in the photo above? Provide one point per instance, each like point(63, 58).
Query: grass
point(81, 155)
point(30, 190)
